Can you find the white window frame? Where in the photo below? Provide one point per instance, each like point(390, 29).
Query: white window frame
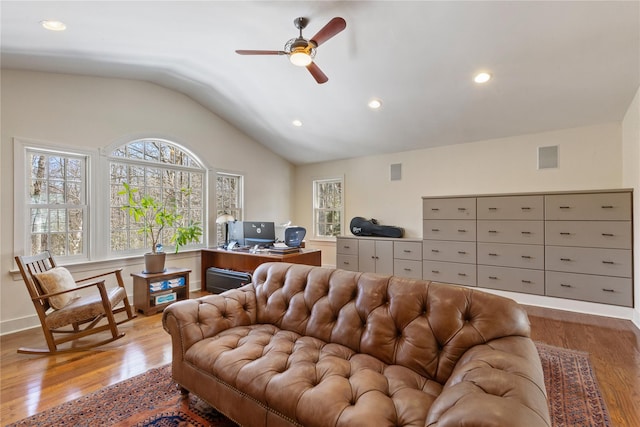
point(315, 207)
point(237, 213)
point(22, 238)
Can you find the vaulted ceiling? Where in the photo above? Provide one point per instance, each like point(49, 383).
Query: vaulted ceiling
point(554, 65)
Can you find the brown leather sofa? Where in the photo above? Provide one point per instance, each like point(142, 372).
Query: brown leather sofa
point(312, 346)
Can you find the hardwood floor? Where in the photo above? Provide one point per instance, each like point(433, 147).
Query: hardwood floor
point(31, 384)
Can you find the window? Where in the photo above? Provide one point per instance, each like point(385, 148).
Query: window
point(56, 202)
point(158, 168)
point(327, 207)
point(228, 199)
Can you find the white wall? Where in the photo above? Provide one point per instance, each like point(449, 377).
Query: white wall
point(631, 178)
point(589, 158)
point(94, 113)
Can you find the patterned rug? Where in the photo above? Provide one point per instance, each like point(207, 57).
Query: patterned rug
point(152, 400)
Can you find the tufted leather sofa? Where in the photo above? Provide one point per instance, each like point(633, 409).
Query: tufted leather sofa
point(312, 346)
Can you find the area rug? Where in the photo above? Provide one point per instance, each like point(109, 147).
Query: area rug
point(152, 399)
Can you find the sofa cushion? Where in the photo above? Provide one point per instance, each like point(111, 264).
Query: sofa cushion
point(313, 382)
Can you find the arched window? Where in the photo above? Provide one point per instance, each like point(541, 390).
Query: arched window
point(159, 168)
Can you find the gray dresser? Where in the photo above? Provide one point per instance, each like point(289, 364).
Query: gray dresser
point(575, 245)
point(399, 257)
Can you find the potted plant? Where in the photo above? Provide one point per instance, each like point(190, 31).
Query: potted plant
point(155, 216)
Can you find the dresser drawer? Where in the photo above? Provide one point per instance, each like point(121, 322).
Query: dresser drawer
point(445, 229)
point(511, 279)
point(439, 250)
point(407, 250)
point(449, 208)
point(347, 246)
point(511, 207)
point(605, 290)
point(347, 262)
point(510, 255)
point(449, 272)
point(407, 268)
point(605, 262)
point(598, 206)
point(521, 232)
point(593, 234)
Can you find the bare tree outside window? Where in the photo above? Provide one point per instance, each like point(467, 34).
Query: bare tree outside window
point(327, 207)
point(228, 199)
point(56, 202)
point(158, 168)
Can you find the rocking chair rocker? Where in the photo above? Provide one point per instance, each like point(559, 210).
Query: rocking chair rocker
point(66, 317)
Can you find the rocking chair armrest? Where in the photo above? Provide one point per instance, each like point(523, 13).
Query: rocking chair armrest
point(100, 284)
point(117, 270)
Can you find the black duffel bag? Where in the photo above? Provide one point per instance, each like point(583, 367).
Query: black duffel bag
point(360, 226)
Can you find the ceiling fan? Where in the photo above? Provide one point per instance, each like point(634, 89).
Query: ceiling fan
point(301, 51)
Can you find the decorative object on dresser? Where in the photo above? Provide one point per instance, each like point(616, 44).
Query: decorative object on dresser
point(575, 245)
point(399, 257)
point(152, 292)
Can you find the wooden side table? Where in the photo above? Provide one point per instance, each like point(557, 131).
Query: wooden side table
point(154, 291)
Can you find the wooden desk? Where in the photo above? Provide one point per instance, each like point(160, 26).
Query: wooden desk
point(247, 262)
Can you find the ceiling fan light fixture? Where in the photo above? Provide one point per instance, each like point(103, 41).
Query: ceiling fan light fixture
point(300, 58)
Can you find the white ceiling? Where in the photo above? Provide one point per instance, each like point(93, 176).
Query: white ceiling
point(554, 64)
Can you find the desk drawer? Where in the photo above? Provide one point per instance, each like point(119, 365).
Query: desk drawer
point(605, 290)
point(604, 262)
point(592, 234)
point(508, 255)
point(511, 207)
point(449, 272)
point(445, 229)
point(440, 250)
point(449, 208)
point(407, 250)
point(598, 206)
point(520, 232)
point(511, 279)
point(407, 268)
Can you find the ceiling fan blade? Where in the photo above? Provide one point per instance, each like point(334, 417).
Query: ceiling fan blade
point(261, 52)
point(317, 73)
point(332, 28)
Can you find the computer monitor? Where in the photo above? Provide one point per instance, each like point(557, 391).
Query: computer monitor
point(251, 233)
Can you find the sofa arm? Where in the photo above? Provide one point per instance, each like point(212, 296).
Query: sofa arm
point(499, 383)
point(193, 320)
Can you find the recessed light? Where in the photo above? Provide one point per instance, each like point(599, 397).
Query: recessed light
point(482, 77)
point(53, 25)
point(374, 104)
point(296, 123)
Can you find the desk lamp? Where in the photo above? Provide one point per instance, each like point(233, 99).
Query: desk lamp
point(224, 219)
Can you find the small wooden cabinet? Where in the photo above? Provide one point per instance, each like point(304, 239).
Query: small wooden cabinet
point(392, 256)
point(152, 292)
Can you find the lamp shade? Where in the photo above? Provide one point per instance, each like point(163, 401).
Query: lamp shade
point(224, 218)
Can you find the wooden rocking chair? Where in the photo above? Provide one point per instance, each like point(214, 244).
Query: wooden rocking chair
point(66, 317)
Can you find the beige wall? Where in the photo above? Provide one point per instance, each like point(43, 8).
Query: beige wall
point(94, 113)
point(631, 178)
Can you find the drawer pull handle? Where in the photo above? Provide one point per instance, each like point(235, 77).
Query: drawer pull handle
point(525, 232)
point(462, 274)
point(526, 281)
point(407, 269)
point(347, 247)
point(462, 230)
point(435, 271)
point(492, 254)
point(565, 286)
point(565, 207)
point(462, 209)
point(608, 234)
point(607, 290)
point(435, 209)
point(493, 209)
point(526, 257)
point(462, 252)
point(565, 259)
point(435, 229)
point(493, 231)
point(435, 250)
point(608, 262)
point(565, 233)
point(607, 207)
point(493, 278)
point(407, 251)
point(345, 262)
point(525, 208)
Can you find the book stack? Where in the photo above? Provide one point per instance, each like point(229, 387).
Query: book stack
point(283, 250)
